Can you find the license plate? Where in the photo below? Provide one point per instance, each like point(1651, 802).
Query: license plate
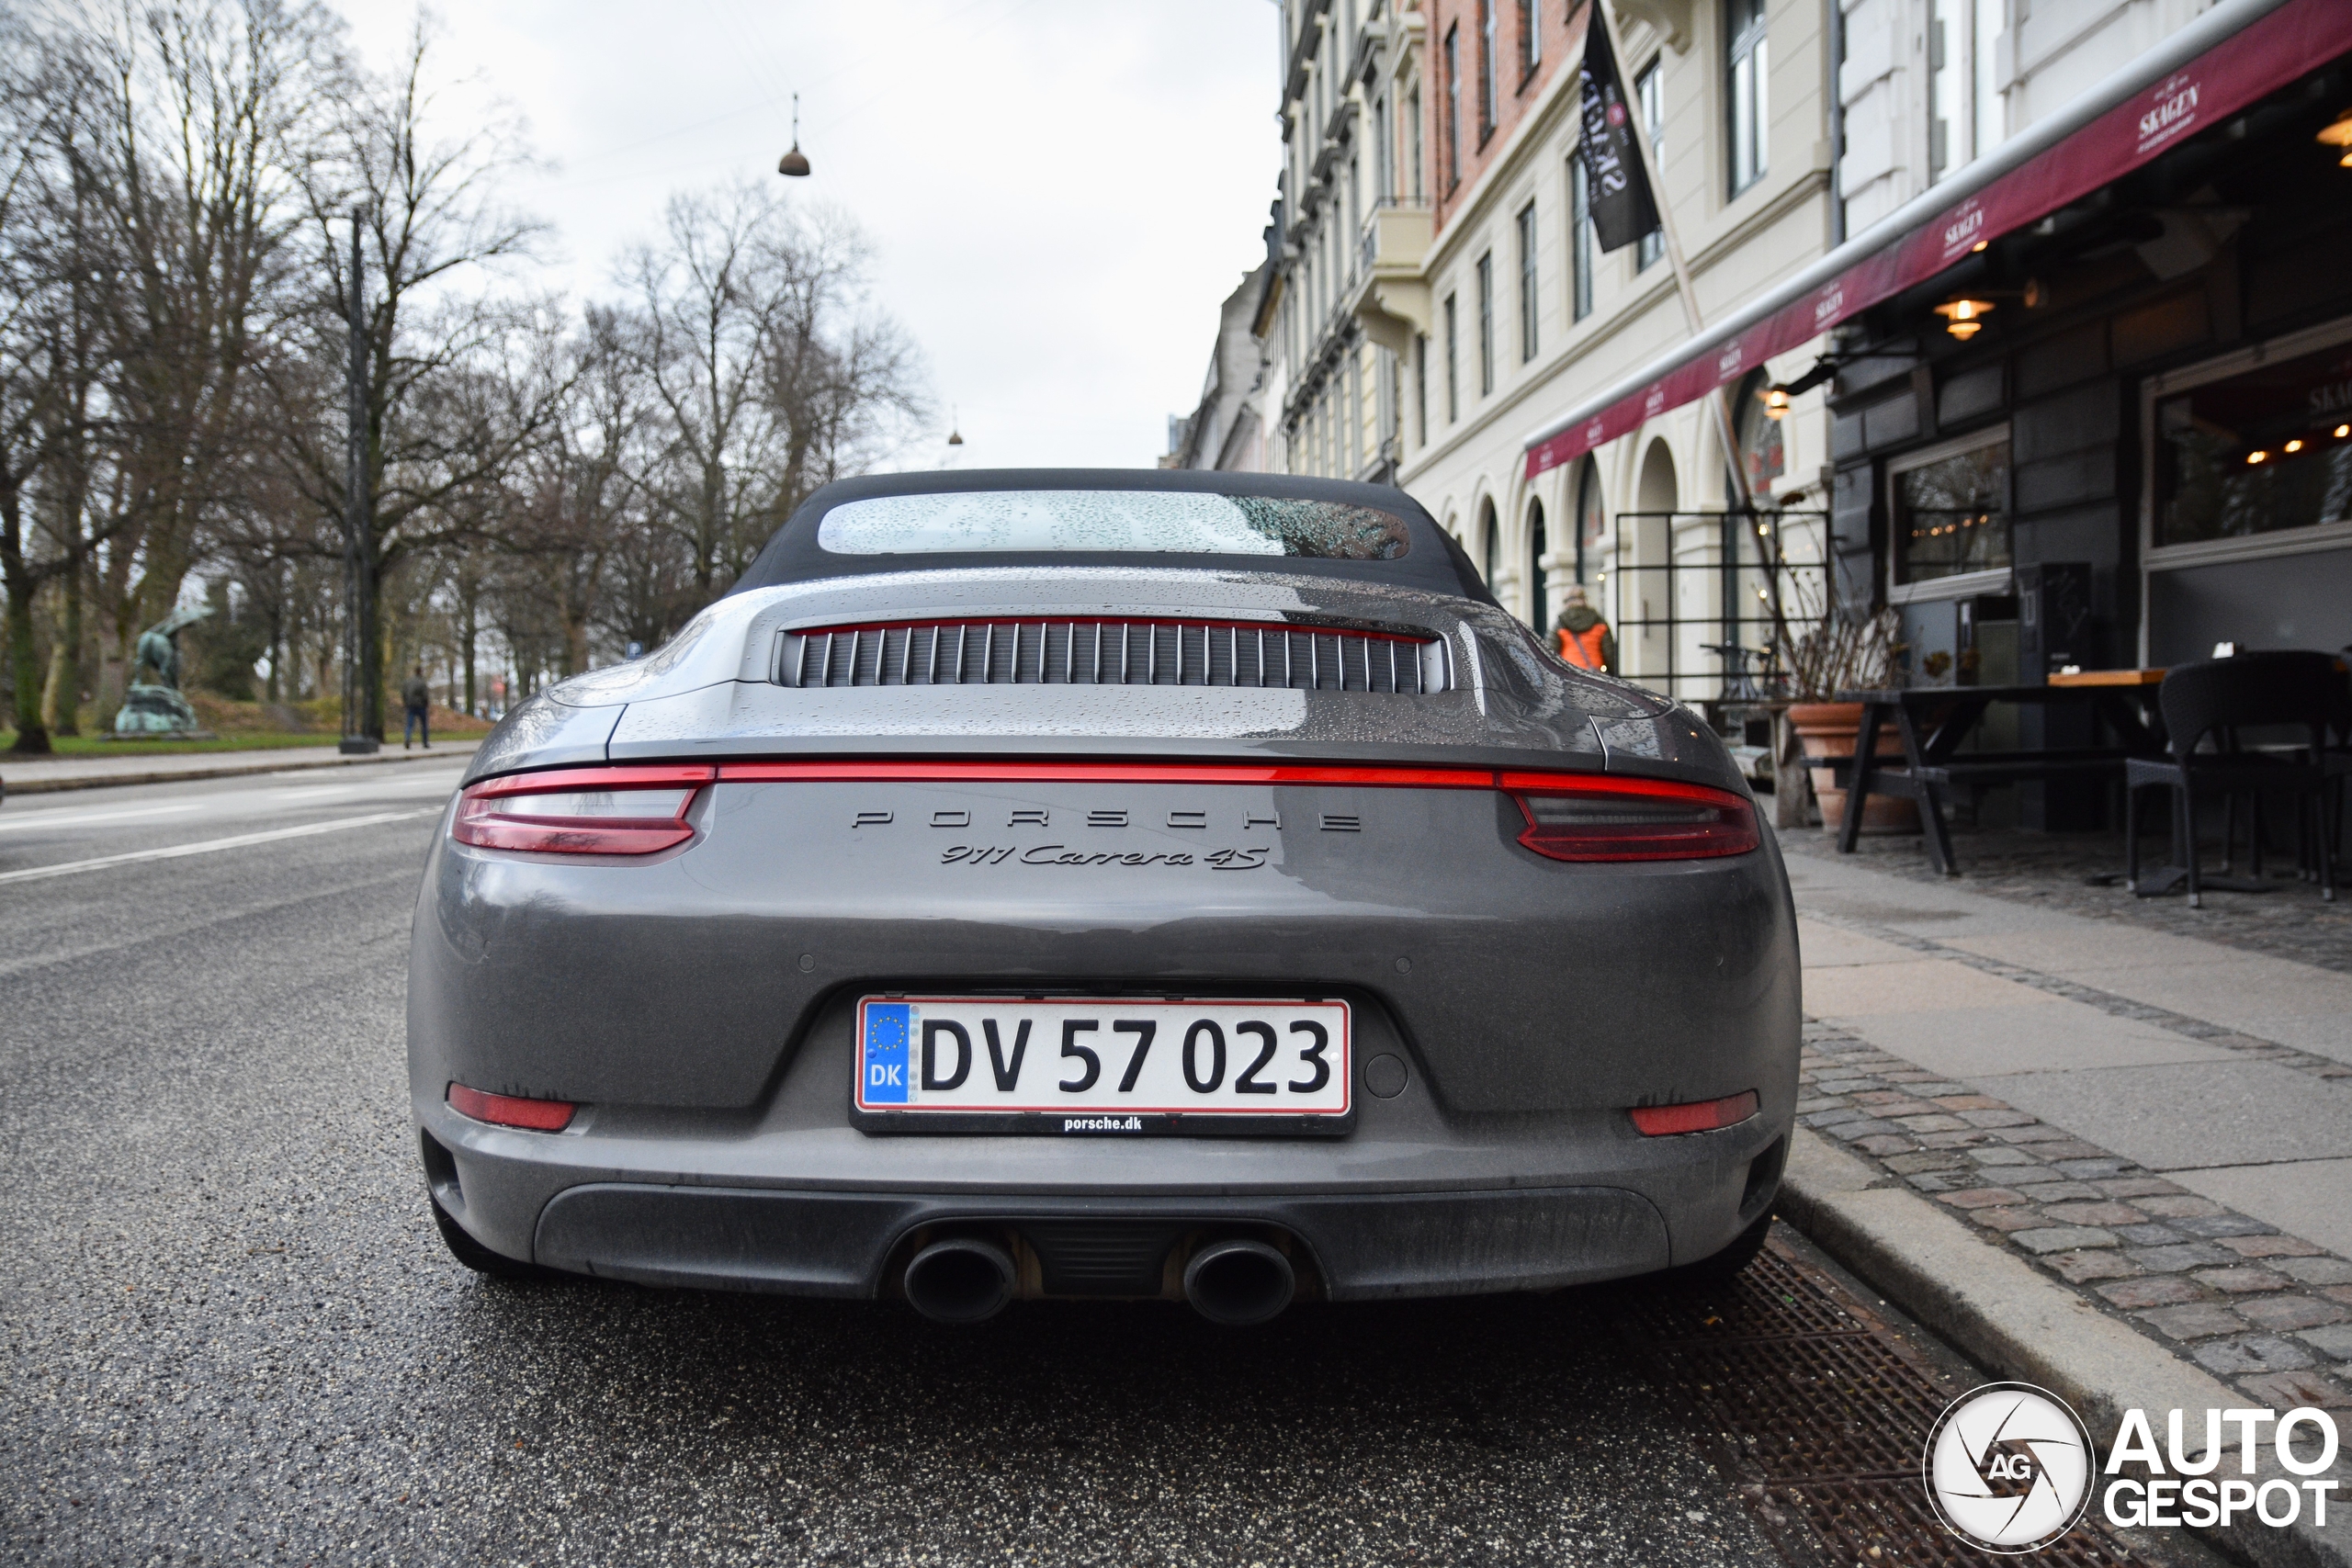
point(1090, 1059)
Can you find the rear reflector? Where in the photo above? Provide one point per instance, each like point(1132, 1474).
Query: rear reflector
point(581, 811)
point(511, 1111)
point(1605, 818)
point(1699, 1116)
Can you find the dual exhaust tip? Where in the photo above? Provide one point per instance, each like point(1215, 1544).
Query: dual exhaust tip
point(967, 1279)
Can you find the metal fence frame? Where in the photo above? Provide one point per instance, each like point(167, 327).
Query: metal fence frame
point(1756, 586)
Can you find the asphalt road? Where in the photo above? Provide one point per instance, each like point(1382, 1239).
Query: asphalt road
point(231, 1335)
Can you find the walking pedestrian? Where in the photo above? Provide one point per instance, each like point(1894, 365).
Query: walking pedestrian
point(1584, 638)
point(417, 698)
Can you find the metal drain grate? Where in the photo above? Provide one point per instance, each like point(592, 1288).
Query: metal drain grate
point(1819, 1412)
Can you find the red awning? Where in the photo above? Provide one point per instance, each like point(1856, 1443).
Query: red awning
point(2172, 97)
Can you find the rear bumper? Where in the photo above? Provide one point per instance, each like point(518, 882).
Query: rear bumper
point(844, 1244)
point(1377, 1214)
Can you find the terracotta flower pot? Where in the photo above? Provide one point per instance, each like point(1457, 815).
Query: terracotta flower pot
point(1827, 731)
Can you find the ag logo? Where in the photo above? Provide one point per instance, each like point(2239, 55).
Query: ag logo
point(2009, 1468)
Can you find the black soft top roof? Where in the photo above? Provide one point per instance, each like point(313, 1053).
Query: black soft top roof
point(1435, 563)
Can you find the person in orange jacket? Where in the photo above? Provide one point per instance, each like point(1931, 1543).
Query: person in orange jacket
point(1585, 640)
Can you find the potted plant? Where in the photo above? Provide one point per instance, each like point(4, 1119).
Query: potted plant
point(1835, 655)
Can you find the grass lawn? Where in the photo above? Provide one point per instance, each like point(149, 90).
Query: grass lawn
point(91, 746)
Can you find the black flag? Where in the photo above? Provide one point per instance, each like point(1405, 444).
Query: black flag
point(1621, 206)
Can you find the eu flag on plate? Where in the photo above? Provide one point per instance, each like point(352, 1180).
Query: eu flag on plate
point(888, 1026)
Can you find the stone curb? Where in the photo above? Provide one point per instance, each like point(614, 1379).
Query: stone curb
point(17, 783)
point(2023, 1325)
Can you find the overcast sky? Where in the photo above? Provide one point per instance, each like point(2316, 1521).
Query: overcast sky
point(1060, 192)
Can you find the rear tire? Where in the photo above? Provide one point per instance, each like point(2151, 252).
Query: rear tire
point(482, 1260)
point(1725, 1266)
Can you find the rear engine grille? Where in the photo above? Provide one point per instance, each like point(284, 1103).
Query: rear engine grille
point(1113, 653)
point(1101, 1258)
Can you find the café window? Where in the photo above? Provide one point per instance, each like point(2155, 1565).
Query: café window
point(1950, 512)
point(2261, 451)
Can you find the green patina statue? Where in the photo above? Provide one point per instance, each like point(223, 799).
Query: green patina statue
point(158, 708)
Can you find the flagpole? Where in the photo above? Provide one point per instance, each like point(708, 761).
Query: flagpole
point(1721, 399)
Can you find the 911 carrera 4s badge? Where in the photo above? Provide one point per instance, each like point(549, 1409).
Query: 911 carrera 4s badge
point(1098, 1065)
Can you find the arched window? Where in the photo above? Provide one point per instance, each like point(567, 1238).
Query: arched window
point(1762, 456)
point(1592, 522)
point(1538, 613)
point(1490, 543)
point(1658, 493)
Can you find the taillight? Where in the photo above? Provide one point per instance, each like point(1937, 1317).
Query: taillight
point(581, 811)
point(511, 1111)
point(1696, 1116)
point(1600, 817)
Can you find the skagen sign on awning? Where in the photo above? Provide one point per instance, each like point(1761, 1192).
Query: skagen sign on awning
point(2228, 58)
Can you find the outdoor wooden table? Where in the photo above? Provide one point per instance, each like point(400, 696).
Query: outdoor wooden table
point(2108, 678)
point(1932, 722)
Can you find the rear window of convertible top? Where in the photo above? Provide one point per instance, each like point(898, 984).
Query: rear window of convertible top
point(1167, 522)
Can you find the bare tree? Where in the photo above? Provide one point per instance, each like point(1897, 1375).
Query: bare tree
point(445, 416)
point(212, 118)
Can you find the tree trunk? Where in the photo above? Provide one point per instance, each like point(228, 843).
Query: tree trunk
point(62, 703)
point(466, 635)
point(371, 648)
point(24, 663)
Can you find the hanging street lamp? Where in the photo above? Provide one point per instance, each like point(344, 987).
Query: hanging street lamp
point(795, 163)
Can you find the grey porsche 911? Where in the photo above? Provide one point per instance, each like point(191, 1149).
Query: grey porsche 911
point(1104, 883)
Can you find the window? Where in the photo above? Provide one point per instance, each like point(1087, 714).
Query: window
point(1746, 65)
point(1964, 120)
point(1453, 106)
point(1538, 610)
point(1413, 138)
point(1485, 324)
point(1040, 522)
point(1581, 242)
point(1761, 449)
point(1486, 69)
point(1650, 91)
point(1490, 548)
point(1355, 223)
point(1527, 282)
point(1530, 41)
point(1453, 396)
point(2260, 452)
point(1383, 178)
point(1590, 522)
point(1951, 512)
point(1421, 386)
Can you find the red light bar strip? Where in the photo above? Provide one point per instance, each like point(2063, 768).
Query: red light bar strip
point(1105, 773)
point(1617, 784)
point(1699, 1116)
point(1304, 627)
point(558, 780)
point(511, 1111)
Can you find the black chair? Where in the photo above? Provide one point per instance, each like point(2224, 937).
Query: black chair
point(2217, 701)
point(2337, 759)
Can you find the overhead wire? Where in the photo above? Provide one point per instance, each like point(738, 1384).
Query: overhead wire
point(819, 80)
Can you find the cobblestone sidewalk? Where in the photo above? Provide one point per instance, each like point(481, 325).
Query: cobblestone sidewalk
point(2268, 1311)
